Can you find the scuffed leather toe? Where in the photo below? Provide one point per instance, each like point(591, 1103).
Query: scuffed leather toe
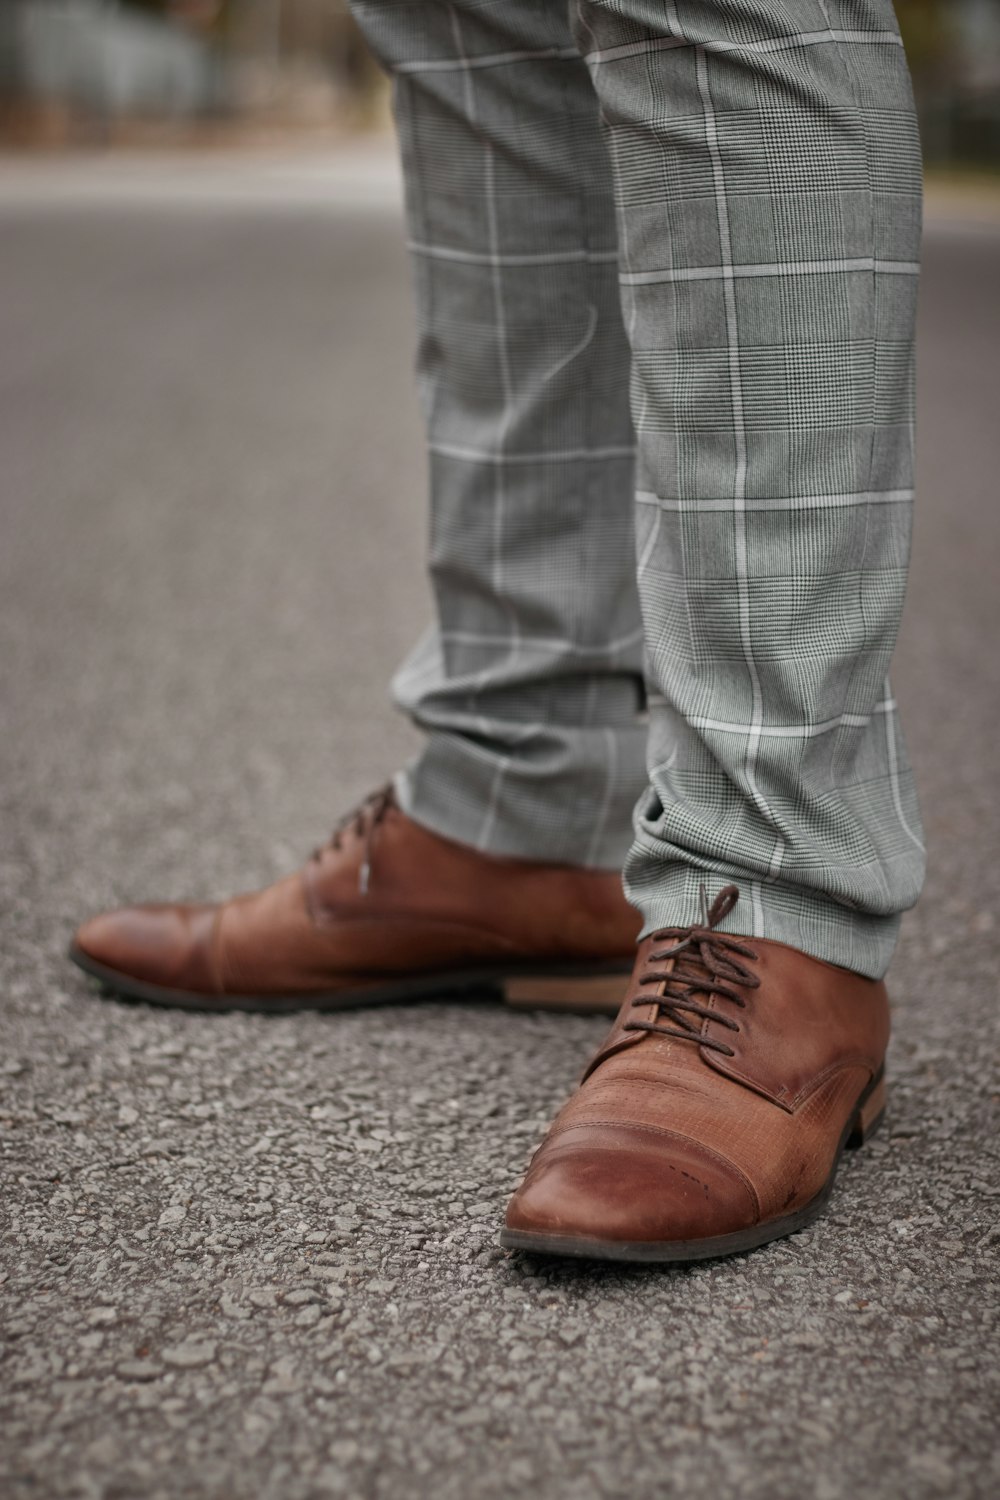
point(712, 1116)
point(625, 1184)
point(168, 946)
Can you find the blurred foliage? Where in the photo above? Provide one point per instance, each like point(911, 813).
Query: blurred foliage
point(201, 13)
point(223, 18)
point(953, 48)
point(930, 37)
point(321, 32)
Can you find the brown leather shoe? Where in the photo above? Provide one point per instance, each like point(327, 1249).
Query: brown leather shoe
point(713, 1117)
point(386, 911)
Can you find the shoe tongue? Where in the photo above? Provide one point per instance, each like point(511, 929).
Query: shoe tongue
point(687, 964)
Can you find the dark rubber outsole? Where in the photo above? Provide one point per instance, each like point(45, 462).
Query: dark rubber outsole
point(680, 1252)
point(586, 989)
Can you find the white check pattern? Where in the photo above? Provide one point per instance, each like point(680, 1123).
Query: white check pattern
point(667, 253)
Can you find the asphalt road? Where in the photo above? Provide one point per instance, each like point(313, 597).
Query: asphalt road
point(248, 1257)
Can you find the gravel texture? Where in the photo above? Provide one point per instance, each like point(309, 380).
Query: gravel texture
point(246, 1256)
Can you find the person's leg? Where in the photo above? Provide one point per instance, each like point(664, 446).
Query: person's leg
point(768, 186)
point(529, 684)
point(767, 175)
point(496, 861)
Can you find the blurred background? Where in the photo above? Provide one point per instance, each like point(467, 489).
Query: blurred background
point(86, 71)
point(213, 530)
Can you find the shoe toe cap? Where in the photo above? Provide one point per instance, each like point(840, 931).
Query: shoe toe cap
point(167, 946)
point(625, 1185)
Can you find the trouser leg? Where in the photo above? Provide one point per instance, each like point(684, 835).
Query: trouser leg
point(529, 684)
point(767, 180)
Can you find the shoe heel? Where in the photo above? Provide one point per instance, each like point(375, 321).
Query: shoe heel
point(590, 994)
point(869, 1117)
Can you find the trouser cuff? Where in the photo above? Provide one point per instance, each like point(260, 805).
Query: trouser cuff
point(669, 895)
point(571, 803)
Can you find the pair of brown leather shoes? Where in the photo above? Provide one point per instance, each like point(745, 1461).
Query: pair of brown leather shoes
point(711, 1119)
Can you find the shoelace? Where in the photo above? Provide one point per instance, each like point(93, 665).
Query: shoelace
point(362, 820)
point(706, 963)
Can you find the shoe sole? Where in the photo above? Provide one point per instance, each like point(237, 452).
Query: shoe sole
point(584, 989)
point(866, 1118)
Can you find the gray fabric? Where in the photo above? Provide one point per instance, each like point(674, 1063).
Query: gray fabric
point(680, 236)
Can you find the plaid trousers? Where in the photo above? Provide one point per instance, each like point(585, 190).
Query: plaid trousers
point(666, 262)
